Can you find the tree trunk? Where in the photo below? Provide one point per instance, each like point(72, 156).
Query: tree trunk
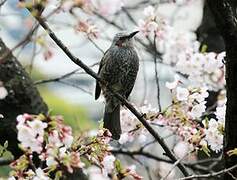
point(22, 97)
point(224, 12)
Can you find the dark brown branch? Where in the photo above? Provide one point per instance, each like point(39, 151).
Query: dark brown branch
point(194, 166)
point(77, 61)
point(140, 153)
point(156, 74)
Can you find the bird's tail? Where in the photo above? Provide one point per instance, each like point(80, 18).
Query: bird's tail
point(112, 121)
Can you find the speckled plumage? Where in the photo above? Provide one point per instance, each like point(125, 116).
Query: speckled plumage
point(118, 68)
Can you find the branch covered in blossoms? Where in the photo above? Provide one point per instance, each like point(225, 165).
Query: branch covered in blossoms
point(50, 150)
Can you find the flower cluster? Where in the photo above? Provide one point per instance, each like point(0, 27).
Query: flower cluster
point(107, 7)
point(50, 151)
point(51, 140)
point(151, 25)
point(30, 133)
point(103, 7)
point(206, 69)
point(87, 27)
point(132, 128)
point(180, 49)
point(214, 134)
point(191, 101)
point(184, 117)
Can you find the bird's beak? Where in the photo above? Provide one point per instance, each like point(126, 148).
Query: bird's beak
point(132, 34)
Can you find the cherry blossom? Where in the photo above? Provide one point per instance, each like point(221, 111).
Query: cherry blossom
point(108, 163)
point(30, 133)
point(180, 49)
point(95, 173)
point(198, 110)
point(181, 149)
point(3, 91)
point(182, 94)
point(213, 136)
point(149, 12)
point(220, 113)
point(40, 175)
point(174, 84)
point(37, 127)
point(87, 27)
point(107, 7)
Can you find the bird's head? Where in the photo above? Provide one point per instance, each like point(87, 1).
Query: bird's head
point(124, 39)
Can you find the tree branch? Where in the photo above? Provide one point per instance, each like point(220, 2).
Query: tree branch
point(156, 74)
point(214, 174)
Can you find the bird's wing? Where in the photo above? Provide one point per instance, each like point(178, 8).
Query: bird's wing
point(97, 87)
point(130, 88)
point(131, 78)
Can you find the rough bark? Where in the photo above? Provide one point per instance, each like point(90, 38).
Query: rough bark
point(224, 12)
point(22, 97)
point(208, 34)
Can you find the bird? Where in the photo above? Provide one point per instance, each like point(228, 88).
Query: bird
point(118, 69)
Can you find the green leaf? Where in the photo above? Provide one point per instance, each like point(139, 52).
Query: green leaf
point(7, 155)
point(206, 150)
point(101, 123)
point(58, 175)
point(118, 165)
point(1, 150)
point(204, 48)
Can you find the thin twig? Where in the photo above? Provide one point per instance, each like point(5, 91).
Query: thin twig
point(101, 50)
point(129, 16)
point(147, 144)
point(75, 86)
point(57, 78)
point(213, 174)
point(140, 153)
point(67, 75)
point(156, 74)
point(33, 56)
point(174, 165)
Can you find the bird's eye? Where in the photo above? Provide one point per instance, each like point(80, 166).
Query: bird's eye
point(122, 38)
